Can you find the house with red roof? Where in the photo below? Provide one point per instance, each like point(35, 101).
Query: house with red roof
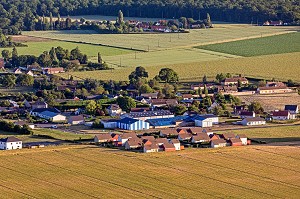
point(283, 115)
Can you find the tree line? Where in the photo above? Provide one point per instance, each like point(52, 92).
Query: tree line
point(28, 15)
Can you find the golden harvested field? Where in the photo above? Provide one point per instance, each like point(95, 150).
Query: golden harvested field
point(280, 66)
point(221, 33)
point(91, 172)
point(273, 102)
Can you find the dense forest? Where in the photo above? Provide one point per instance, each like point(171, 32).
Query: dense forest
point(24, 14)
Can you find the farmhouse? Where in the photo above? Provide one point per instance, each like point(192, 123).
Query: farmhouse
point(294, 109)
point(102, 138)
point(238, 109)
point(39, 104)
point(253, 121)
point(184, 137)
point(148, 115)
point(235, 142)
point(187, 97)
point(177, 144)
point(10, 143)
point(156, 103)
point(228, 136)
point(243, 138)
point(149, 95)
point(77, 119)
point(122, 139)
point(133, 144)
point(51, 71)
point(114, 110)
point(283, 115)
point(200, 138)
point(168, 147)
point(37, 111)
point(234, 81)
point(169, 132)
point(247, 114)
point(274, 87)
point(150, 148)
point(217, 143)
point(132, 124)
point(202, 85)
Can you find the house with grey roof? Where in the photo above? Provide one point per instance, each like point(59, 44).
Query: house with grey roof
point(10, 143)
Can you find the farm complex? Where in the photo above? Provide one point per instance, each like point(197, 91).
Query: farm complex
point(102, 107)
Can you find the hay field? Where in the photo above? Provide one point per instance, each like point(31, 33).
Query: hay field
point(277, 44)
point(221, 33)
point(38, 47)
point(273, 102)
point(91, 172)
point(280, 66)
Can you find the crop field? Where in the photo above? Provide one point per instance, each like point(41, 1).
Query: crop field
point(221, 33)
point(272, 134)
point(273, 102)
point(283, 67)
point(92, 172)
point(37, 48)
point(277, 44)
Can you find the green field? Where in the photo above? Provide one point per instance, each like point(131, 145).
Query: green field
point(272, 134)
point(91, 172)
point(283, 67)
point(37, 48)
point(153, 42)
point(277, 44)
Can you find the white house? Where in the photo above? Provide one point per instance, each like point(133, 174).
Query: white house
point(114, 110)
point(218, 143)
point(76, 119)
point(243, 138)
point(176, 144)
point(10, 143)
point(253, 121)
point(283, 115)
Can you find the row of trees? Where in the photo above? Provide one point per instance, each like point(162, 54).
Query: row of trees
point(28, 15)
point(11, 127)
point(10, 81)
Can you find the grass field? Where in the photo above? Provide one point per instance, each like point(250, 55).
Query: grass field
point(153, 42)
point(272, 134)
point(56, 134)
point(277, 44)
point(283, 67)
point(91, 172)
point(37, 48)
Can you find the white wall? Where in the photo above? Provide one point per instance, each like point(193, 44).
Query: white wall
point(10, 145)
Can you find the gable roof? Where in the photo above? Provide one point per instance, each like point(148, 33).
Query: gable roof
point(201, 136)
point(10, 139)
point(235, 79)
point(227, 136)
point(150, 147)
point(280, 113)
point(219, 141)
point(235, 140)
point(247, 113)
point(241, 136)
point(128, 135)
point(77, 118)
point(169, 131)
point(49, 113)
point(254, 119)
point(103, 136)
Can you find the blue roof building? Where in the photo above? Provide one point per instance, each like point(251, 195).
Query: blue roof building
point(132, 124)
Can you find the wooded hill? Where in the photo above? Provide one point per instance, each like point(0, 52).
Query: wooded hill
point(22, 15)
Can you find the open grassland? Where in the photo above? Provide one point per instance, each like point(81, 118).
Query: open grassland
point(60, 135)
point(280, 66)
point(221, 33)
point(272, 134)
point(172, 56)
point(37, 48)
point(277, 44)
point(273, 102)
point(91, 172)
